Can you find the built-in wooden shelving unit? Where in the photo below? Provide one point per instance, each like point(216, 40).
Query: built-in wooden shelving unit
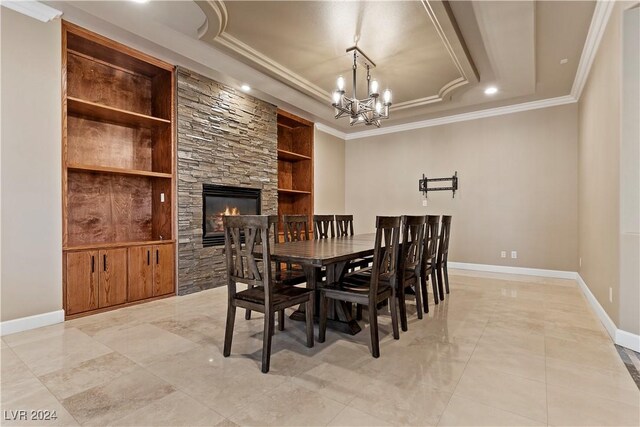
point(295, 166)
point(118, 174)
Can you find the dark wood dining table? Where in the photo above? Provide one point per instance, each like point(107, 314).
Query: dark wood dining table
point(333, 255)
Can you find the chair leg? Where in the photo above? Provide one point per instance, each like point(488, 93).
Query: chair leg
point(373, 326)
point(434, 286)
point(403, 309)
point(425, 295)
point(440, 284)
point(247, 313)
point(393, 305)
point(322, 328)
point(445, 269)
point(281, 320)
point(358, 311)
point(309, 313)
point(228, 333)
point(418, 299)
point(266, 340)
point(273, 324)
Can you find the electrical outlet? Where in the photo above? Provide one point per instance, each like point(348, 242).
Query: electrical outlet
point(610, 294)
point(514, 254)
point(503, 254)
point(580, 262)
point(424, 203)
point(161, 197)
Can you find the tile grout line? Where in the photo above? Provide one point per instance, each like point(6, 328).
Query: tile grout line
point(483, 403)
point(464, 370)
point(43, 384)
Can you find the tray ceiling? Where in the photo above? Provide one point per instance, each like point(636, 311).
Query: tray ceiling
point(436, 56)
point(416, 46)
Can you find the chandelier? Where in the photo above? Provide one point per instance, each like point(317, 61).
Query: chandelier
point(368, 110)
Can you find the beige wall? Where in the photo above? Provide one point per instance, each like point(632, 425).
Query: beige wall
point(31, 188)
point(518, 184)
point(599, 171)
point(328, 174)
point(630, 175)
point(608, 174)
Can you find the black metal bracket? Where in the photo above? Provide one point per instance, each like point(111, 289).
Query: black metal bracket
point(423, 184)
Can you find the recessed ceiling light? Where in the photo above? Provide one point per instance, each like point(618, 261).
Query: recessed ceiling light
point(491, 90)
point(564, 61)
point(245, 88)
point(139, 1)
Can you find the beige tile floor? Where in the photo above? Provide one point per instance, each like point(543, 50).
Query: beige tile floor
point(501, 350)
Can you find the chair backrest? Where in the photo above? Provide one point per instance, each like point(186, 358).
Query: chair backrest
point(385, 253)
point(431, 240)
point(412, 243)
point(295, 227)
point(344, 224)
point(242, 263)
point(323, 227)
point(445, 232)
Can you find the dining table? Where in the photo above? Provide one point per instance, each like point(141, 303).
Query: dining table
point(333, 257)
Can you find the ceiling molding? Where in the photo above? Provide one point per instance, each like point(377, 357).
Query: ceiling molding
point(437, 11)
point(216, 18)
point(491, 112)
point(331, 131)
point(33, 9)
point(271, 66)
point(601, 16)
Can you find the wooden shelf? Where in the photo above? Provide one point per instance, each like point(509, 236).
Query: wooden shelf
point(115, 245)
point(289, 191)
point(100, 112)
point(119, 171)
point(291, 156)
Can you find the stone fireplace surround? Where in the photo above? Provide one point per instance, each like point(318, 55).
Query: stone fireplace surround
point(225, 137)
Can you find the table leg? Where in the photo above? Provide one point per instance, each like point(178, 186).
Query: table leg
point(340, 319)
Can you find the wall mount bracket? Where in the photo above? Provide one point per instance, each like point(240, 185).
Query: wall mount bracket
point(423, 184)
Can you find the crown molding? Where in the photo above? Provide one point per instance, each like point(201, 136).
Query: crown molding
point(331, 131)
point(601, 16)
point(436, 10)
point(491, 112)
point(33, 9)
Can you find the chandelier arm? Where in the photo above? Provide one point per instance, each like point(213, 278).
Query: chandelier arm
point(368, 110)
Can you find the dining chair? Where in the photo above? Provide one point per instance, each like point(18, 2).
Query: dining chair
point(373, 289)
point(344, 224)
point(323, 227)
point(443, 255)
point(296, 227)
point(429, 255)
point(409, 270)
point(289, 277)
point(248, 265)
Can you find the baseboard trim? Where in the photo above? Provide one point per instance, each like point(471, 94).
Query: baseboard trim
point(628, 340)
point(593, 302)
point(558, 274)
point(618, 336)
point(31, 322)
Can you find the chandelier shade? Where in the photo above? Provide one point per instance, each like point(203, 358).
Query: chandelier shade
point(369, 110)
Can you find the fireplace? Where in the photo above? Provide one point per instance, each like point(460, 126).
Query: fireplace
point(221, 200)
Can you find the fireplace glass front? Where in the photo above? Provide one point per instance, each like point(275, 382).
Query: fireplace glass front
point(221, 200)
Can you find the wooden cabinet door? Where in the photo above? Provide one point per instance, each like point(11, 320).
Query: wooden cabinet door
point(113, 277)
point(141, 260)
point(81, 281)
point(163, 273)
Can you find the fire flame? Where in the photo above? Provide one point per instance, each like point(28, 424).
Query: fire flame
point(231, 211)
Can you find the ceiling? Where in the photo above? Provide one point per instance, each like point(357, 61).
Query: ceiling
point(436, 56)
